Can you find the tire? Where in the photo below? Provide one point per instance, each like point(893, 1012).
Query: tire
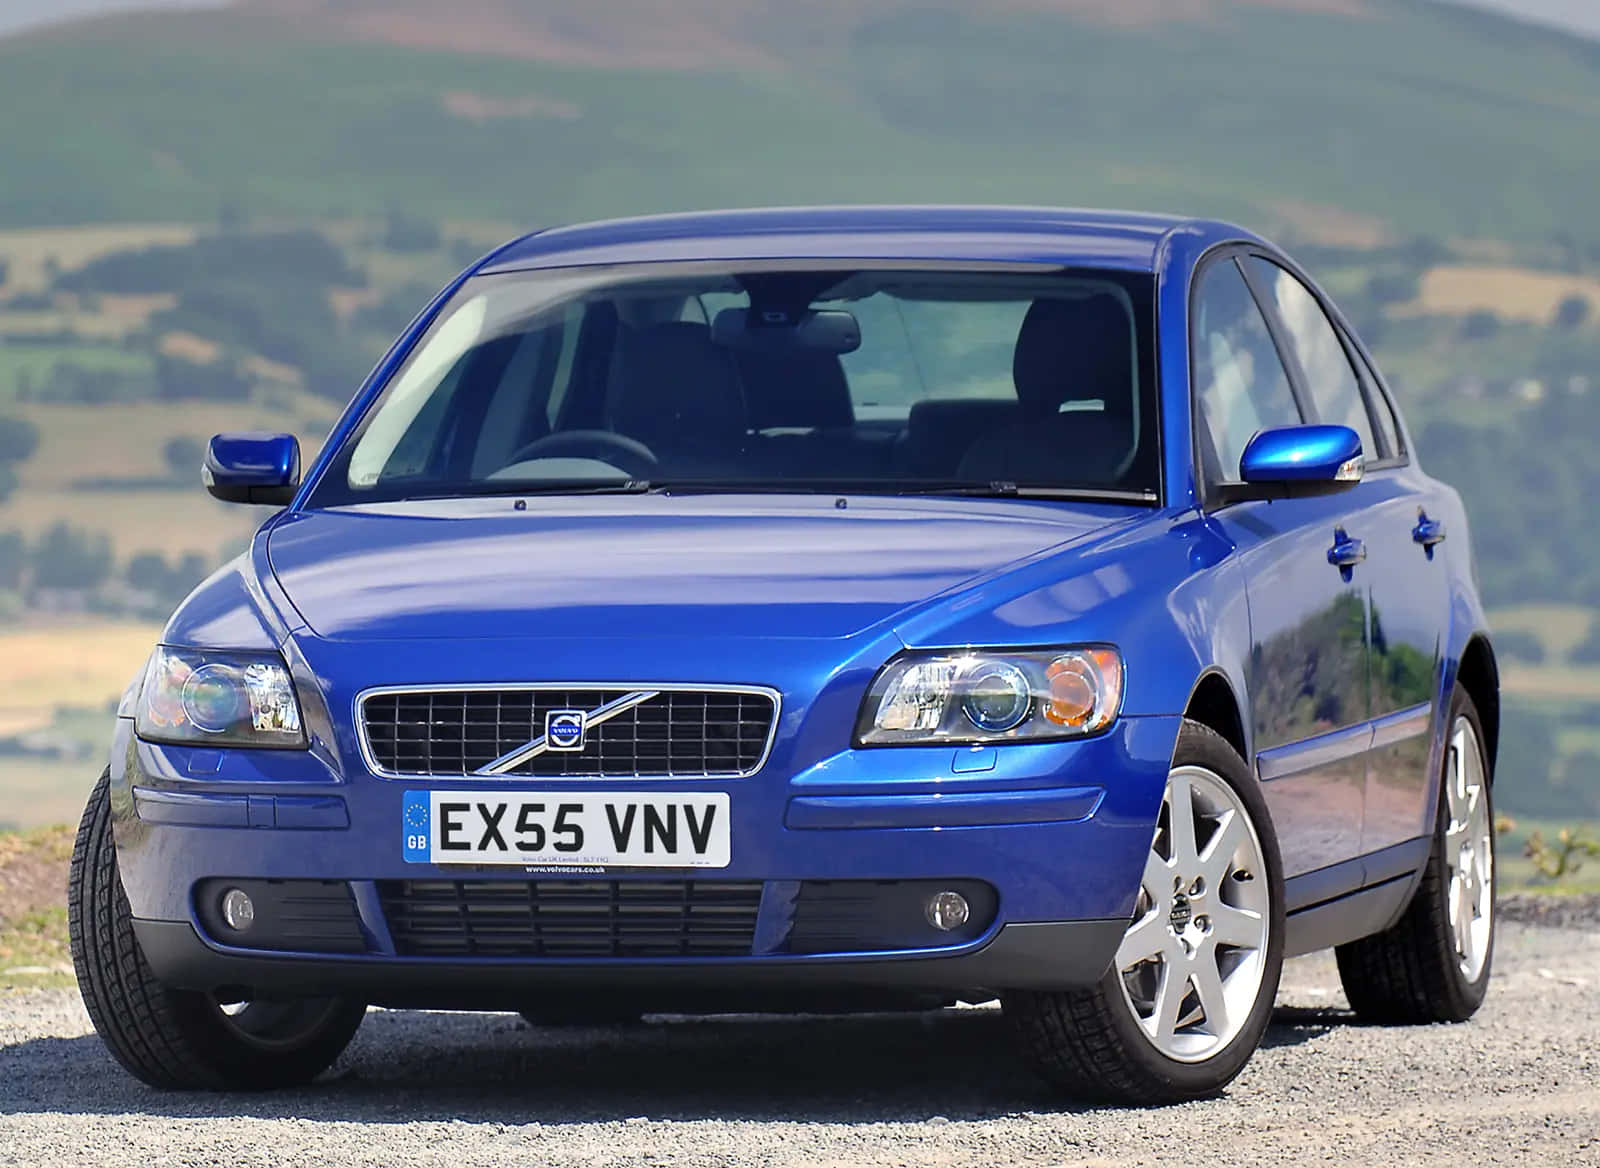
point(1418, 971)
point(1100, 1043)
point(181, 1039)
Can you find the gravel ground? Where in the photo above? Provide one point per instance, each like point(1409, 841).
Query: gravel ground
point(1518, 1085)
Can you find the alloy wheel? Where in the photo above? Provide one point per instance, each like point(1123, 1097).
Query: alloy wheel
point(1468, 850)
point(1192, 960)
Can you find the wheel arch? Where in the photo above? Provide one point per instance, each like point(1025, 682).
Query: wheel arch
point(1213, 703)
point(1479, 674)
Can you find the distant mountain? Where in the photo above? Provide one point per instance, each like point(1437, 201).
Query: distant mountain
point(1576, 15)
point(1409, 117)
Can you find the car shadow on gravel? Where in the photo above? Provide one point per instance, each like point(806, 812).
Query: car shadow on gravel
point(1293, 1025)
point(494, 1068)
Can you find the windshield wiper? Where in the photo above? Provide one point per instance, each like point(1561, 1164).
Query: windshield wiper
point(510, 489)
point(582, 487)
point(1002, 489)
point(964, 487)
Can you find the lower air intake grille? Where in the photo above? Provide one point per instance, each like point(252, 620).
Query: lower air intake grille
point(571, 918)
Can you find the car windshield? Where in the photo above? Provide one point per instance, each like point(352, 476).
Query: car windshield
point(770, 377)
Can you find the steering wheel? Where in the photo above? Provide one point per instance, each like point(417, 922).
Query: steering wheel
point(628, 455)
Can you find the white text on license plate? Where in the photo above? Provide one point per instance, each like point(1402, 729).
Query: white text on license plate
point(622, 829)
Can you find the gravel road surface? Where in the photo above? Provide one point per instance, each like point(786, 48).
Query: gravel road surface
point(1518, 1085)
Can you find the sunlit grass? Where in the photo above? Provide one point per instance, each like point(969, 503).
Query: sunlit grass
point(34, 948)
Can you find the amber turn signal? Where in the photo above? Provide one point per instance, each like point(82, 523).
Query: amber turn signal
point(1085, 688)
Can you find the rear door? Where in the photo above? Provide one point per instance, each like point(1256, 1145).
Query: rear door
point(1407, 587)
point(1307, 672)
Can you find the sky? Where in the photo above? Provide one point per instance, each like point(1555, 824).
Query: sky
point(1583, 15)
point(17, 14)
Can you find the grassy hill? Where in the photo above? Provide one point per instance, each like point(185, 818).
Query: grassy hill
point(1411, 118)
point(171, 180)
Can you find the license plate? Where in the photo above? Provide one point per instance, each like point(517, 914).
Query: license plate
point(618, 829)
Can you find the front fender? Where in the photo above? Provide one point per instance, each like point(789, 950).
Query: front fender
point(1168, 591)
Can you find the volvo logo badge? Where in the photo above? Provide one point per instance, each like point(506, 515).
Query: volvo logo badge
point(1179, 917)
point(564, 729)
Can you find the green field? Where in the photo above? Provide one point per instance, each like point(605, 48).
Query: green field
point(34, 362)
point(1408, 118)
point(1376, 137)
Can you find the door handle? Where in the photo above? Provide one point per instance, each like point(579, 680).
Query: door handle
point(1427, 532)
point(1346, 552)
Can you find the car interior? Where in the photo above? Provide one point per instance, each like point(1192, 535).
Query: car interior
point(770, 382)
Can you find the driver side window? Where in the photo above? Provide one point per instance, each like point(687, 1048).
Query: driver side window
point(1237, 377)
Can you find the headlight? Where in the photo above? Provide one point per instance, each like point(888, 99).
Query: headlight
point(991, 695)
point(219, 699)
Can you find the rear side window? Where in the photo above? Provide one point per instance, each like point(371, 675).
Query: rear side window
point(1239, 381)
point(1382, 409)
point(1330, 378)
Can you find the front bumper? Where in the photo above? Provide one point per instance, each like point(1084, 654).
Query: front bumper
point(1039, 955)
point(1059, 831)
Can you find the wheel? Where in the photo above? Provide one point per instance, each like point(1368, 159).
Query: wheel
point(1433, 964)
point(180, 1038)
point(1190, 992)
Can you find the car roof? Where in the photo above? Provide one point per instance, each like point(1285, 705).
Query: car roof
point(1050, 235)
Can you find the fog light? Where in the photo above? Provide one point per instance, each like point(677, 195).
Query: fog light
point(239, 911)
point(947, 910)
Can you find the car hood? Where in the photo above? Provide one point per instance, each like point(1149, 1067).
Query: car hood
point(652, 565)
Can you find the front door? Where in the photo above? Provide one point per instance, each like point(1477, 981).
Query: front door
point(1405, 581)
point(1307, 672)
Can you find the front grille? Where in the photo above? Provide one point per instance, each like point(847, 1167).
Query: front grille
point(687, 733)
point(571, 918)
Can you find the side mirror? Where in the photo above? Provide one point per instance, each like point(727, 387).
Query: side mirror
point(252, 468)
point(1299, 460)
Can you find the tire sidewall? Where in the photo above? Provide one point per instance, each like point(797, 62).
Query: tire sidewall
point(1466, 996)
point(168, 1037)
point(1200, 746)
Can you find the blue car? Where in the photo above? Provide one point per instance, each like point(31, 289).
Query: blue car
point(818, 609)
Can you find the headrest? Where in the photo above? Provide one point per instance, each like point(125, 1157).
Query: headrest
point(676, 390)
point(802, 388)
point(1074, 350)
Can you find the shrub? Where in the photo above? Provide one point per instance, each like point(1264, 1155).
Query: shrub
point(403, 232)
point(1571, 312)
point(66, 557)
point(1480, 325)
point(1587, 651)
point(12, 550)
point(1520, 645)
point(183, 454)
point(1394, 287)
point(177, 379)
point(19, 438)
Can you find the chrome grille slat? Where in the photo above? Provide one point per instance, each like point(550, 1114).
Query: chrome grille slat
point(680, 732)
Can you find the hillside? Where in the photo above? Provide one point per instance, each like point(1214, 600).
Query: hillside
point(1412, 118)
point(218, 219)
